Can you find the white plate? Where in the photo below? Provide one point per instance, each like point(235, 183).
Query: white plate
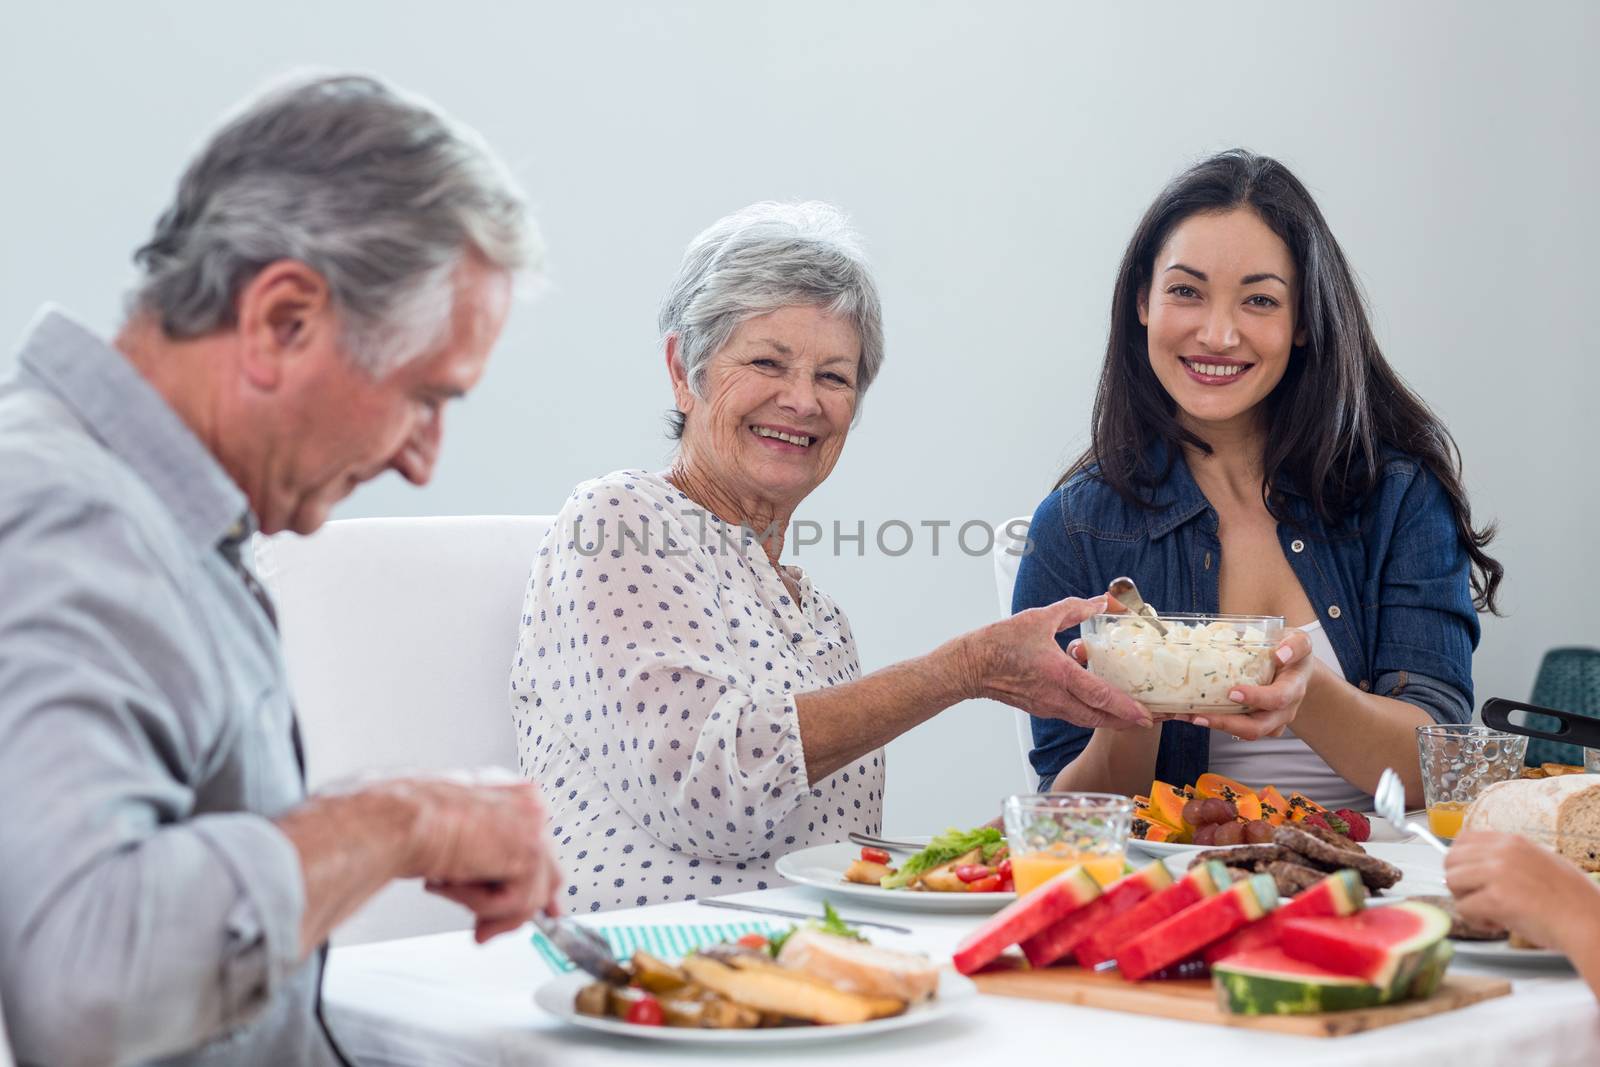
point(556, 997)
point(1382, 834)
point(823, 867)
point(1500, 953)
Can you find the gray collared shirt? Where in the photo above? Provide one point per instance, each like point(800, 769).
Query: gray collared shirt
point(148, 907)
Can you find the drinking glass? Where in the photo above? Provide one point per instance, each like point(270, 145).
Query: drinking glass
point(1458, 761)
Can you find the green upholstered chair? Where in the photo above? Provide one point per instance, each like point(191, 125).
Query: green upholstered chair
point(1569, 679)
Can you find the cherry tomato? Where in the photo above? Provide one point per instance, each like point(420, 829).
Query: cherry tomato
point(1004, 870)
point(990, 884)
point(755, 941)
point(1007, 885)
point(646, 1011)
point(874, 855)
point(972, 872)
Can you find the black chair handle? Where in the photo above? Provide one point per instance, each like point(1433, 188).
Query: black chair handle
point(1571, 728)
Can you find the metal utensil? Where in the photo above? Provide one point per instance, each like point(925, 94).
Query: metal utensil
point(884, 843)
point(1128, 595)
point(585, 948)
point(1570, 728)
point(715, 902)
point(1390, 803)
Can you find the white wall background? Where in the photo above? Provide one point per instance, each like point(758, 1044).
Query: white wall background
point(996, 155)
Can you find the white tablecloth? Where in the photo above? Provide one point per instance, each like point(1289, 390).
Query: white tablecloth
point(444, 1000)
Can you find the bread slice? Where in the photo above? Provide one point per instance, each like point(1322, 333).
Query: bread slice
point(1562, 812)
point(783, 991)
point(858, 967)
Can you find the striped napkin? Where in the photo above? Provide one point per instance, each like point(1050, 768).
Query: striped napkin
point(668, 942)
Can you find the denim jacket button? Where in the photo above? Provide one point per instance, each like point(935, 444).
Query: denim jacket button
point(1298, 545)
point(1366, 686)
point(1334, 612)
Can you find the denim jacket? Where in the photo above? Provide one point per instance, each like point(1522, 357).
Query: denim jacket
point(1389, 582)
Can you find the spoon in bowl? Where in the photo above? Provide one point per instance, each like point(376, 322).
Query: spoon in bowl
point(1128, 595)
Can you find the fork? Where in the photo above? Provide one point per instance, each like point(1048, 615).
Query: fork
point(1390, 803)
point(885, 844)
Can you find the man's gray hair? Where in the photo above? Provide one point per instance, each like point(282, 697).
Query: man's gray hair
point(763, 258)
point(377, 192)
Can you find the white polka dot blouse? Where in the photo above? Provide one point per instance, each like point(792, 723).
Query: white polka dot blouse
point(653, 697)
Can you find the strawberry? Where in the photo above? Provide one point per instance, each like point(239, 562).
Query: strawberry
point(1360, 828)
point(1317, 819)
point(1336, 824)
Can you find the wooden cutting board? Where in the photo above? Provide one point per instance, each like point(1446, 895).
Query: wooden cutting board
point(1194, 1000)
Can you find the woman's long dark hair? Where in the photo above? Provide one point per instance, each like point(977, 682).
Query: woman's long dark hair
point(1339, 403)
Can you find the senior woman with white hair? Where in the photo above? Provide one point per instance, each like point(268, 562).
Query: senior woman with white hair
point(695, 707)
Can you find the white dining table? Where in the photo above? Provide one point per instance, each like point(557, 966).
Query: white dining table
point(442, 999)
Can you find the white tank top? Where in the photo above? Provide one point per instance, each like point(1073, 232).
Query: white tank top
point(1288, 762)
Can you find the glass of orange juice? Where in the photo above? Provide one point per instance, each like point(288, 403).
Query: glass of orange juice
point(1458, 761)
point(1047, 833)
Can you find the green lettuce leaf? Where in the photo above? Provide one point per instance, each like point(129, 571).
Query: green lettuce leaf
point(941, 850)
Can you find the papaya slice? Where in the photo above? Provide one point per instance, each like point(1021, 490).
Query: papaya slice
point(1167, 801)
point(1301, 805)
point(1149, 830)
point(1274, 808)
point(1173, 833)
point(1216, 786)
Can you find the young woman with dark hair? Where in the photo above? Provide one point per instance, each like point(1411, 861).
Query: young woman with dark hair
point(1254, 453)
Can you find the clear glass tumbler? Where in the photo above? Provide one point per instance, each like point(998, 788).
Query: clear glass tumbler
point(1458, 761)
point(1047, 833)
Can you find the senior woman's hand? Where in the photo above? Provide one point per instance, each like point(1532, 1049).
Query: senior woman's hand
point(1018, 662)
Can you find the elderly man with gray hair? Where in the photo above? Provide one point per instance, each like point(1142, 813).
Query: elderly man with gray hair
point(335, 268)
point(697, 707)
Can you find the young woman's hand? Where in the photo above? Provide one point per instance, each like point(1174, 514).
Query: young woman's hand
point(1519, 884)
point(1272, 707)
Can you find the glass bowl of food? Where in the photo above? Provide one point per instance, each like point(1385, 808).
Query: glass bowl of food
point(1190, 668)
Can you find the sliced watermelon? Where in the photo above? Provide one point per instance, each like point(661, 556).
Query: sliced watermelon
point(1341, 893)
point(1381, 946)
point(1192, 929)
point(1268, 981)
point(1202, 881)
point(1431, 973)
point(1025, 917)
point(1058, 940)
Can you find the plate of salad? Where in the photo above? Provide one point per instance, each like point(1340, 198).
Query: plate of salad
point(956, 871)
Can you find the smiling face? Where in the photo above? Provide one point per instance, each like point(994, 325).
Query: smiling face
point(340, 427)
point(1220, 317)
point(777, 404)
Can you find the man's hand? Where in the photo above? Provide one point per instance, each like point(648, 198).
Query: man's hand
point(482, 845)
point(486, 847)
point(1018, 662)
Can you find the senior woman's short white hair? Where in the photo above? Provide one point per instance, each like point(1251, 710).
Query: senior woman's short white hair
point(760, 259)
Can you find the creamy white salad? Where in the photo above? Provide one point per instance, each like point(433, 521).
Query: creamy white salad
point(1191, 668)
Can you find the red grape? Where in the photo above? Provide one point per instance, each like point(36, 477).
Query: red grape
point(1206, 835)
point(1258, 832)
point(1194, 813)
point(1228, 834)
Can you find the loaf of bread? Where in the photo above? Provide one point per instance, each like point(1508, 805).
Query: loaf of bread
point(1562, 812)
point(859, 967)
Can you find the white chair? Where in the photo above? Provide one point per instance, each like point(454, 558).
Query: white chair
point(1007, 555)
point(5, 1045)
point(398, 635)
